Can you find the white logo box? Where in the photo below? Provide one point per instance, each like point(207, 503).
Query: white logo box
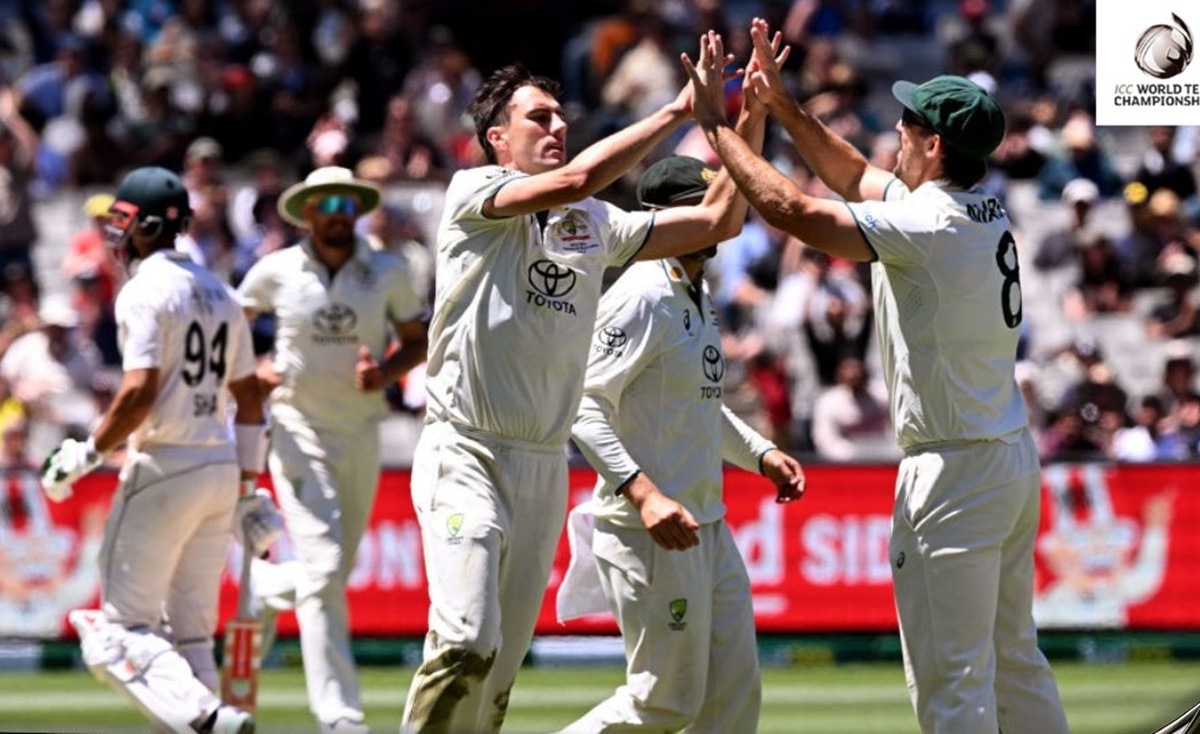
point(1147, 72)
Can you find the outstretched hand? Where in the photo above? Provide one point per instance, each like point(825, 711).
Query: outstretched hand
point(772, 58)
point(707, 79)
point(763, 73)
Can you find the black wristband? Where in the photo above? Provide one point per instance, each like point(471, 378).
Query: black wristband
point(620, 490)
point(762, 456)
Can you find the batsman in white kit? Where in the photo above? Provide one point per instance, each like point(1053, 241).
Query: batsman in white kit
point(654, 425)
point(522, 249)
point(947, 290)
point(339, 305)
point(185, 346)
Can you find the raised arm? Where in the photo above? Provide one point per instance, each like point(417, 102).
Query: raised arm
point(722, 212)
point(824, 224)
point(835, 161)
point(594, 168)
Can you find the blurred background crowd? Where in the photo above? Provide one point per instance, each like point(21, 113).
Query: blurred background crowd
point(244, 97)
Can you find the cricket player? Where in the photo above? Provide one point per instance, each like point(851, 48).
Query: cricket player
point(338, 305)
point(653, 424)
point(521, 251)
point(947, 295)
point(185, 342)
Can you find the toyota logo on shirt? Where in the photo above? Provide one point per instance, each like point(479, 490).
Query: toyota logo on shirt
point(609, 341)
point(713, 364)
point(548, 283)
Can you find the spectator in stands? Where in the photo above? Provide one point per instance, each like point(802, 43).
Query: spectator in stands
point(46, 88)
point(737, 293)
point(974, 46)
point(1179, 316)
point(99, 154)
point(208, 239)
point(1066, 439)
point(1103, 286)
point(1100, 402)
point(1157, 229)
point(1018, 157)
point(267, 172)
point(1159, 168)
point(1151, 437)
point(646, 76)
point(840, 104)
point(87, 254)
point(160, 136)
point(18, 151)
point(1081, 157)
point(19, 294)
point(1187, 418)
point(850, 418)
point(50, 370)
point(378, 61)
point(838, 324)
point(409, 153)
point(1061, 247)
point(1178, 373)
point(439, 88)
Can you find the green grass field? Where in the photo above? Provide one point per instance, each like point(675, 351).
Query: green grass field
point(1130, 698)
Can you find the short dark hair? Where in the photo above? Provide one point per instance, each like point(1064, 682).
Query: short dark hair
point(489, 106)
point(962, 170)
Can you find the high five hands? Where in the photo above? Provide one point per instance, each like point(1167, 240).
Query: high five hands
point(761, 79)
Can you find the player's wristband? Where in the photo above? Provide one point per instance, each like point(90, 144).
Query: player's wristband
point(762, 456)
point(620, 490)
point(249, 488)
point(252, 443)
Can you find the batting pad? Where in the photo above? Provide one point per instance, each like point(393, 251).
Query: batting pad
point(146, 669)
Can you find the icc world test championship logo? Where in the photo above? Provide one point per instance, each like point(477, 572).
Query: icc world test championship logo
point(1164, 51)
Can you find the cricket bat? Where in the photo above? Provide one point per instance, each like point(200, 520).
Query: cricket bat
point(242, 654)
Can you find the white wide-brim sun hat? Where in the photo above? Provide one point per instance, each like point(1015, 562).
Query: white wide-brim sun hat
point(327, 181)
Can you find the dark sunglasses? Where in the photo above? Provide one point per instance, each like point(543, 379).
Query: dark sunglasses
point(331, 205)
point(911, 119)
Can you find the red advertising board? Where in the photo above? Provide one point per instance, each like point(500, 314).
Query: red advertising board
point(1114, 552)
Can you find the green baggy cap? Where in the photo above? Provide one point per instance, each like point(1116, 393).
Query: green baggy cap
point(962, 112)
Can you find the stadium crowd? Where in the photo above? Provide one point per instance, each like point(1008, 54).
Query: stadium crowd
point(245, 97)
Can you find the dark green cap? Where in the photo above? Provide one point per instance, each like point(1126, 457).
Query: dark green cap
point(672, 180)
point(962, 112)
point(155, 192)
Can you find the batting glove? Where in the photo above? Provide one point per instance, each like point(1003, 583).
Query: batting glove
point(70, 461)
point(257, 523)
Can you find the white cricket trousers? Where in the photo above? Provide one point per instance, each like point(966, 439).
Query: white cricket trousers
point(963, 531)
point(326, 484)
point(688, 625)
point(164, 550)
point(491, 513)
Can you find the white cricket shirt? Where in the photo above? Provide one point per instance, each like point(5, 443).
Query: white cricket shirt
point(177, 316)
point(514, 308)
point(320, 324)
point(653, 396)
point(948, 312)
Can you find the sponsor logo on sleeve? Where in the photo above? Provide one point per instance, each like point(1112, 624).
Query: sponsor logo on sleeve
point(610, 341)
